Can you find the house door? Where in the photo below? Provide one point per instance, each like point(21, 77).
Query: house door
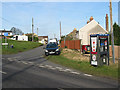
point(16, 37)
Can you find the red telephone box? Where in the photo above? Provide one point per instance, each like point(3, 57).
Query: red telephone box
point(99, 49)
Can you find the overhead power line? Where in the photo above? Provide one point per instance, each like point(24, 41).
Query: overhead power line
point(11, 22)
point(23, 26)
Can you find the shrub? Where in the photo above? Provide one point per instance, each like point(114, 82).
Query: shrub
point(65, 46)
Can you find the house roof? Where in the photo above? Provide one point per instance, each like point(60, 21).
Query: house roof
point(5, 31)
point(43, 36)
point(90, 26)
point(73, 32)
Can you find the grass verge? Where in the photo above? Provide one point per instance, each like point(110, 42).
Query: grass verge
point(19, 46)
point(84, 66)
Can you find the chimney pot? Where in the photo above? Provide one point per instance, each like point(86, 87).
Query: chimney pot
point(91, 18)
point(88, 21)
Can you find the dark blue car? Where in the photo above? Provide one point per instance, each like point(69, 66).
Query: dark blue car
point(52, 48)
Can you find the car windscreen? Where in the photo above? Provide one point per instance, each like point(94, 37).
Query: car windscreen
point(51, 46)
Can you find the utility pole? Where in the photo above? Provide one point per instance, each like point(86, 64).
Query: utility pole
point(32, 30)
point(107, 24)
point(60, 30)
point(37, 34)
point(54, 35)
point(37, 31)
point(112, 34)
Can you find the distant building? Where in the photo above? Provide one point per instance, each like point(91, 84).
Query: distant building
point(73, 34)
point(92, 27)
point(2, 32)
point(20, 37)
point(77, 35)
point(43, 39)
point(30, 34)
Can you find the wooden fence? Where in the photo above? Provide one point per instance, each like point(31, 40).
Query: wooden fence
point(71, 44)
point(116, 50)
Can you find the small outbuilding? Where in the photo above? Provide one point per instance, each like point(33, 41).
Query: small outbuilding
point(20, 37)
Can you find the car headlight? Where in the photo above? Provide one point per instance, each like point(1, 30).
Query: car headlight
point(46, 50)
point(57, 49)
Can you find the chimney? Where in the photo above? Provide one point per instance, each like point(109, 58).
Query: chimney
point(91, 18)
point(74, 29)
point(88, 21)
point(107, 28)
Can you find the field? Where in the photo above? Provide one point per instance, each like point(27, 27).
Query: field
point(72, 59)
point(18, 46)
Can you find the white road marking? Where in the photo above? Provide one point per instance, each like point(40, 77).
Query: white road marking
point(14, 59)
point(41, 66)
point(19, 61)
point(31, 62)
point(75, 73)
point(58, 68)
point(88, 75)
point(24, 62)
point(62, 70)
point(10, 59)
point(3, 72)
point(37, 64)
point(68, 70)
point(17, 57)
point(48, 66)
point(52, 68)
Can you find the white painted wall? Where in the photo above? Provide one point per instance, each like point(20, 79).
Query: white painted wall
point(91, 28)
point(20, 37)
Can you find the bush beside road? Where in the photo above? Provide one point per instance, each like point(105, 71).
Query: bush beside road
point(72, 59)
point(18, 46)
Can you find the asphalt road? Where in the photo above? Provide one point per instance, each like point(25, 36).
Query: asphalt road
point(31, 70)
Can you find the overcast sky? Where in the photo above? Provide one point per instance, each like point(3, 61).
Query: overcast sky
point(48, 14)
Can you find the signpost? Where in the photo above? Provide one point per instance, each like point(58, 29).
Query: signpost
point(6, 34)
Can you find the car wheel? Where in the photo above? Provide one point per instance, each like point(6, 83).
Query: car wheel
point(46, 54)
point(57, 53)
point(83, 51)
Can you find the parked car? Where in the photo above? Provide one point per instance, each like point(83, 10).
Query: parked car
point(85, 49)
point(52, 48)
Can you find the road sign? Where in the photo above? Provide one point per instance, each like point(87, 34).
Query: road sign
point(4, 43)
point(5, 34)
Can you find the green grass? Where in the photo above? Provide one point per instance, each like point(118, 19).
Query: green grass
point(19, 46)
point(104, 71)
